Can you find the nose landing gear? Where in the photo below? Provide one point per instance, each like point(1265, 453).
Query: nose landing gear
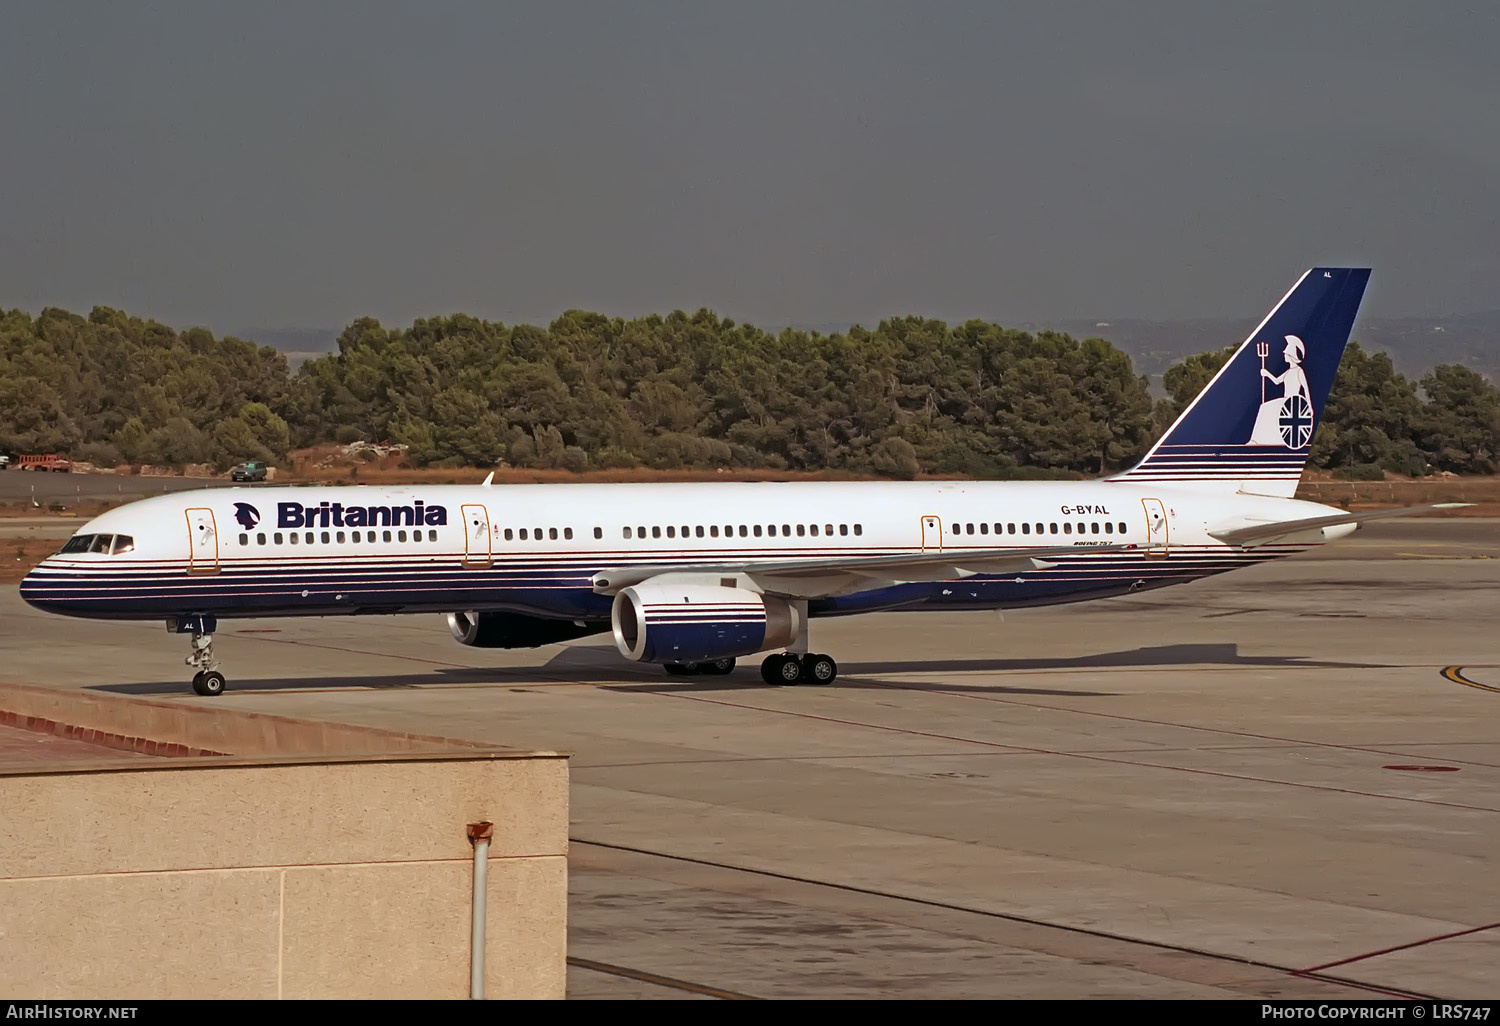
point(207, 681)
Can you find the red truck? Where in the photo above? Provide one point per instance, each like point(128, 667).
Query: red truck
point(51, 461)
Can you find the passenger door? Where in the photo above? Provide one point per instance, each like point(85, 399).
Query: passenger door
point(1156, 527)
point(477, 551)
point(932, 534)
point(203, 542)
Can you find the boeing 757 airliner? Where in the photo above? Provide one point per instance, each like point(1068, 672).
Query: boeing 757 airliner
point(693, 576)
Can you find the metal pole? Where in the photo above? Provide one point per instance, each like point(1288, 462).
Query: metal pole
point(479, 836)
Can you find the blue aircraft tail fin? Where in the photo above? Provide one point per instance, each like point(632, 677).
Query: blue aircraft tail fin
point(1250, 428)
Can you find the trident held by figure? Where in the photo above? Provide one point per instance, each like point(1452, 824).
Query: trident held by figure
point(1263, 350)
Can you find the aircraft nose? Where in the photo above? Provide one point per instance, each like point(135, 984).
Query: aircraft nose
point(36, 585)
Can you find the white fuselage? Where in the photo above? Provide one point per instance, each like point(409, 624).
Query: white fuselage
point(270, 551)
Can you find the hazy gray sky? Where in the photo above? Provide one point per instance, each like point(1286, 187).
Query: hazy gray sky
point(300, 164)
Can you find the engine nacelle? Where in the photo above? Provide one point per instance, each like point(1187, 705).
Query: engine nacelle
point(693, 623)
point(514, 630)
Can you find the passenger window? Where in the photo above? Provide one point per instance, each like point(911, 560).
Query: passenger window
point(1109, 528)
point(757, 530)
point(1082, 528)
point(713, 530)
point(1041, 528)
point(859, 528)
point(656, 532)
point(827, 529)
point(536, 533)
point(671, 531)
point(814, 530)
point(984, 528)
point(1094, 527)
point(568, 533)
point(968, 529)
point(627, 534)
point(698, 530)
point(401, 536)
point(1067, 528)
point(771, 530)
point(1009, 528)
point(260, 539)
point(325, 537)
point(509, 534)
point(786, 530)
point(801, 530)
point(523, 534)
point(432, 535)
point(599, 532)
point(1054, 528)
point(1025, 528)
point(552, 533)
point(123, 543)
point(340, 536)
point(1122, 527)
point(294, 537)
point(742, 530)
point(843, 529)
point(277, 538)
point(244, 539)
point(416, 536)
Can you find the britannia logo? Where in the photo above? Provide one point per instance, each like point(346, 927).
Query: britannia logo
point(247, 515)
point(1287, 420)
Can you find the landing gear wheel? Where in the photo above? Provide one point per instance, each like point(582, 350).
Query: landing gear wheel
point(719, 667)
point(819, 669)
point(209, 683)
point(781, 669)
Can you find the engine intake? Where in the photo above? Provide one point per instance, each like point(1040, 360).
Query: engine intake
point(666, 623)
point(515, 630)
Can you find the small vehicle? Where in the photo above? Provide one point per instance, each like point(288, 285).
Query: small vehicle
point(51, 462)
point(4, 462)
point(254, 470)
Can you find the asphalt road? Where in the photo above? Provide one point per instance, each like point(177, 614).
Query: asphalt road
point(1262, 785)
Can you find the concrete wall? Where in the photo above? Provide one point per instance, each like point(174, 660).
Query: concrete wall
point(176, 728)
point(306, 877)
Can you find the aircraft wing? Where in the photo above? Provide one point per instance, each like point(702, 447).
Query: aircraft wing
point(1249, 535)
point(828, 575)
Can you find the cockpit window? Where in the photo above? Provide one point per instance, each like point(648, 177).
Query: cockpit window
point(101, 543)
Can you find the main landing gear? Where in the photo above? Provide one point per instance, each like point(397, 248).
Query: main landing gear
point(208, 681)
point(797, 665)
point(808, 668)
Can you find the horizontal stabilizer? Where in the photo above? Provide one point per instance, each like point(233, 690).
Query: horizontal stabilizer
point(1252, 534)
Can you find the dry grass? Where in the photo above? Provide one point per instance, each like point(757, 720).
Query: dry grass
point(1482, 492)
point(19, 555)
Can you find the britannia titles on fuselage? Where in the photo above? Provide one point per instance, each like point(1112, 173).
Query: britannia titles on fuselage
point(336, 514)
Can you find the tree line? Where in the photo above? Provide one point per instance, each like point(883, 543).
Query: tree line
point(912, 395)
